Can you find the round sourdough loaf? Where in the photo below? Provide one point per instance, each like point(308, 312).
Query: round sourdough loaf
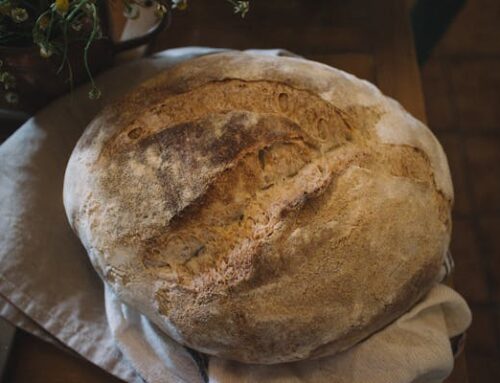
point(262, 209)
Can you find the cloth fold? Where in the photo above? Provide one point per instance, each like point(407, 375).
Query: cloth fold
point(48, 287)
point(415, 348)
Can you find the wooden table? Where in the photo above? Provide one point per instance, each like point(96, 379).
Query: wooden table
point(370, 38)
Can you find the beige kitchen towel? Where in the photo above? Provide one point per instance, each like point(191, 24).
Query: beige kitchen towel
point(415, 348)
point(44, 271)
point(48, 286)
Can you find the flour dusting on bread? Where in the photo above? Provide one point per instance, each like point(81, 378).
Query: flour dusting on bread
point(262, 209)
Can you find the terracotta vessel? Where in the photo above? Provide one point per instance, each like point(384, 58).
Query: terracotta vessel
point(38, 79)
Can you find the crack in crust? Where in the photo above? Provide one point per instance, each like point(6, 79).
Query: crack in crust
point(303, 107)
point(286, 139)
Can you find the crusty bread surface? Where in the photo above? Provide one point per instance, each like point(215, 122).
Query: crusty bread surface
point(261, 209)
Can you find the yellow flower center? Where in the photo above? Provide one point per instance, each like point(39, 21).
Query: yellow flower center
point(62, 6)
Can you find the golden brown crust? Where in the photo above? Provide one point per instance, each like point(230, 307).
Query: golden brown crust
point(261, 209)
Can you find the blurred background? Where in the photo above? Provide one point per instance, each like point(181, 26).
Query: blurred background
point(461, 82)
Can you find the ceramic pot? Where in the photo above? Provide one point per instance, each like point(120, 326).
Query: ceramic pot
point(39, 80)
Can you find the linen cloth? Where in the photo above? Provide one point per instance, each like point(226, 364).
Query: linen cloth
point(48, 287)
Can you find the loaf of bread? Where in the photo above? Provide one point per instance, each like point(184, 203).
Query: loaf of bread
point(262, 209)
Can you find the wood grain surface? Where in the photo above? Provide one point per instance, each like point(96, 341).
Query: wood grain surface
point(370, 38)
